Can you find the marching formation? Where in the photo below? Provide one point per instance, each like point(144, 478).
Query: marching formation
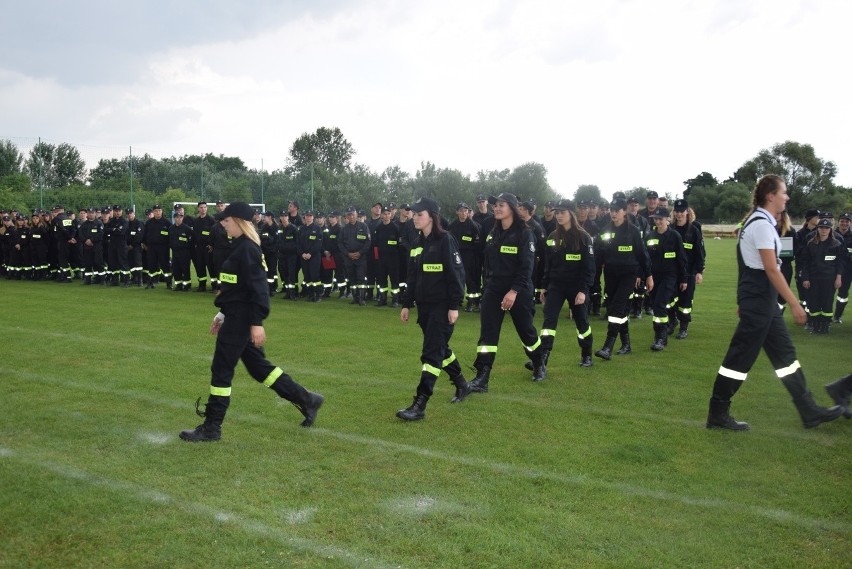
point(499, 258)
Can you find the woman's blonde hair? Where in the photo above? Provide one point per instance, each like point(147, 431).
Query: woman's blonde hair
point(248, 229)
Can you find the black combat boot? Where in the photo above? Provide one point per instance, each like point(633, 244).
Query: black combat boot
point(362, 300)
point(462, 389)
point(540, 370)
point(369, 294)
point(211, 428)
point(469, 306)
point(683, 332)
point(659, 337)
point(309, 408)
point(480, 382)
point(606, 352)
point(356, 296)
point(840, 392)
point(812, 414)
point(624, 335)
point(382, 299)
point(342, 292)
point(719, 418)
point(395, 300)
point(586, 358)
point(416, 411)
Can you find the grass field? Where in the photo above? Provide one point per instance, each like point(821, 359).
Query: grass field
point(603, 467)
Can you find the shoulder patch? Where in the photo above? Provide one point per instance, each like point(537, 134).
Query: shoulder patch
point(457, 257)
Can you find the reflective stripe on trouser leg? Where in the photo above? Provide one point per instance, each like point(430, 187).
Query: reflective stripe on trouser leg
point(548, 335)
point(451, 366)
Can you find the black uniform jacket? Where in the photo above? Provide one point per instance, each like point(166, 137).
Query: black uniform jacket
point(466, 233)
point(355, 238)
point(823, 259)
point(202, 228)
point(180, 237)
point(510, 257)
point(622, 247)
point(243, 287)
point(574, 266)
point(287, 239)
point(667, 254)
point(386, 237)
point(310, 240)
point(157, 231)
point(693, 245)
point(435, 272)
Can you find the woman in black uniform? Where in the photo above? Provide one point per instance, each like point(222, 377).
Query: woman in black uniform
point(243, 302)
point(509, 258)
point(569, 273)
point(668, 267)
point(436, 284)
point(761, 324)
point(823, 264)
point(693, 245)
point(621, 251)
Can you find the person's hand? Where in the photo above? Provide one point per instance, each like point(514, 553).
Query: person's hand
point(699, 278)
point(403, 315)
point(509, 300)
point(682, 287)
point(452, 316)
point(806, 284)
point(649, 283)
point(258, 336)
point(17, 247)
point(799, 315)
point(580, 299)
point(837, 281)
point(217, 323)
point(542, 295)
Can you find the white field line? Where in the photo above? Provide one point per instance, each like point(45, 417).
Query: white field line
point(573, 479)
point(250, 526)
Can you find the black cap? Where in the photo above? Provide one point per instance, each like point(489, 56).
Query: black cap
point(811, 213)
point(387, 209)
point(220, 202)
point(106, 210)
point(333, 213)
point(157, 206)
point(549, 203)
point(319, 214)
point(380, 204)
point(392, 205)
point(681, 205)
point(561, 205)
point(283, 213)
point(618, 204)
point(351, 209)
point(510, 199)
point(268, 213)
point(652, 194)
point(583, 203)
point(528, 204)
point(619, 196)
point(362, 213)
point(92, 210)
point(294, 202)
point(178, 206)
point(426, 204)
point(847, 216)
point(405, 206)
point(117, 207)
point(462, 205)
point(481, 198)
point(824, 222)
point(632, 199)
point(130, 210)
point(660, 212)
point(826, 215)
point(147, 211)
point(240, 210)
point(57, 206)
point(308, 212)
point(7, 218)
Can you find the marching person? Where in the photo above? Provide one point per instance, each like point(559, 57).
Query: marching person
point(693, 246)
point(180, 242)
point(668, 268)
point(436, 284)
point(845, 233)
point(288, 266)
point(619, 248)
point(220, 242)
point(569, 272)
point(509, 259)
point(243, 303)
point(761, 324)
point(823, 265)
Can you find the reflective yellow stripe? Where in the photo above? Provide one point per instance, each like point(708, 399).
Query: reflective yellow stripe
point(687, 245)
point(652, 242)
point(228, 278)
point(551, 242)
point(616, 320)
point(585, 334)
point(430, 369)
point(571, 257)
point(508, 249)
point(416, 251)
point(467, 238)
point(391, 242)
point(548, 332)
point(433, 268)
point(361, 236)
point(670, 255)
point(486, 349)
point(534, 346)
point(830, 257)
point(625, 248)
point(449, 360)
point(660, 319)
point(220, 391)
point(273, 375)
point(789, 370)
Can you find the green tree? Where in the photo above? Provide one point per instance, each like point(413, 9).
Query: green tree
point(326, 148)
point(18, 183)
point(55, 166)
point(723, 203)
point(809, 178)
point(10, 158)
point(702, 180)
point(235, 190)
point(587, 192)
point(530, 181)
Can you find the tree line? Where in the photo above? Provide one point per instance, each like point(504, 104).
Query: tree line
point(320, 173)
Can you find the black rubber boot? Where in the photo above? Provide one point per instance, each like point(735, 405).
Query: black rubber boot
point(310, 407)
point(659, 337)
point(480, 382)
point(606, 352)
point(211, 429)
point(840, 392)
point(838, 312)
point(624, 336)
point(382, 299)
point(417, 410)
point(540, 370)
point(342, 292)
point(719, 418)
point(462, 389)
point(356, 296)
point(683, 332)
point(395, 300)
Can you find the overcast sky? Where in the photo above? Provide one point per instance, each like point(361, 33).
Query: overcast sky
point(614, 93)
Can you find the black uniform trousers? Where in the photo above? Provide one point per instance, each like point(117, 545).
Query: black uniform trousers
point(388, 269)
point(665, 286)
point(203, 263)
point(233, 343)
point(557, 294)
point(843, 292)
point(287, 268)
point(761, 326)
point(134, 260)
point(117, 259)
point(619, 282)
point(181, 261)
point(93, 260)
point(436, 354)
point(356, 273)
point(311, 271)
point(158, 261)
point(491, 321)
point(472, 278)
point(821, 297)
point(682, 309)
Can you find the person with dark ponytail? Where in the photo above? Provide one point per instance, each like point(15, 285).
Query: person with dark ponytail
point(569, 272)
point(243, 302)
point(436, 283)
point(761, 324)
point(509, 259)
